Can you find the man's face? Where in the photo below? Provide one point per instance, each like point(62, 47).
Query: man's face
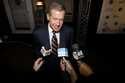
point(55, 19)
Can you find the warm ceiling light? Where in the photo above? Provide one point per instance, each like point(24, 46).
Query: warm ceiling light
point(39, 3)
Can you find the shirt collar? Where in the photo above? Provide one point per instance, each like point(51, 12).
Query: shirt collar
point(50, 29)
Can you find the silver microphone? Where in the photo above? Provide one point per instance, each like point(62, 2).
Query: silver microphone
point(44, 51)
point(77, 53)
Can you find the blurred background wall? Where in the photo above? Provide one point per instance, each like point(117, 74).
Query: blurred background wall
point(112, 16)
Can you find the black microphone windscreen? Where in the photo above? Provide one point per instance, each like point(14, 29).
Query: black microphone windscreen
point(75, 46)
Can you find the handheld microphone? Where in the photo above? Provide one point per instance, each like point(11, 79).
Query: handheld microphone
point(75, 47)
point(62, 52)
point(77, 53)
point(44, 51)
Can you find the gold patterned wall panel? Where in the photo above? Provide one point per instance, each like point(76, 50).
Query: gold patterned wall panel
point(112, 16)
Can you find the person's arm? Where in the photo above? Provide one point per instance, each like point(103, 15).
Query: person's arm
point(38, 63)
point(84, 69)
point(66, 65)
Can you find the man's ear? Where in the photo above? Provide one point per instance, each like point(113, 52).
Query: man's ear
point(48, 16)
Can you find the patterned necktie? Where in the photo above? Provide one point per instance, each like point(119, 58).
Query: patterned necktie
point(54, 44)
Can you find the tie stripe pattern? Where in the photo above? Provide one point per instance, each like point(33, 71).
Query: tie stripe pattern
point(54, 44)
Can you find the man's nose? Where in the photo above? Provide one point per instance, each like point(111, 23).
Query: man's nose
point(58, 22)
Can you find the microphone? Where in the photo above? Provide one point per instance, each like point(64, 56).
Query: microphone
point(77, 53)
point(62, 52)
point(44, 51)
point(75, 47)
point(84, 68)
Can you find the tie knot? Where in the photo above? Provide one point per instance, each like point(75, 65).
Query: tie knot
point(54, 32)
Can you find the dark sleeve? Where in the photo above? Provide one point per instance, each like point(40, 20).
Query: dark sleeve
point(36, 45)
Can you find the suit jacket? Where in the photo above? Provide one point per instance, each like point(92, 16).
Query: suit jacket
point(41, 38)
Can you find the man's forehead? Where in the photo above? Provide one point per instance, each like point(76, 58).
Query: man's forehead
point(57, 11)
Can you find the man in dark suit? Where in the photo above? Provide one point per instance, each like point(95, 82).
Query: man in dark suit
point(50, 66)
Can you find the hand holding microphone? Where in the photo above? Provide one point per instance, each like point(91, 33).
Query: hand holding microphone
point(38, 63)
point(67, 66)
point(84, 68)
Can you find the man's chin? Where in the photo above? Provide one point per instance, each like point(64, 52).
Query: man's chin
point(57, 30)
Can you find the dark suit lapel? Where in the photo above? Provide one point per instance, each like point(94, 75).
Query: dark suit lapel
point(46, 36)
point(62, 39)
